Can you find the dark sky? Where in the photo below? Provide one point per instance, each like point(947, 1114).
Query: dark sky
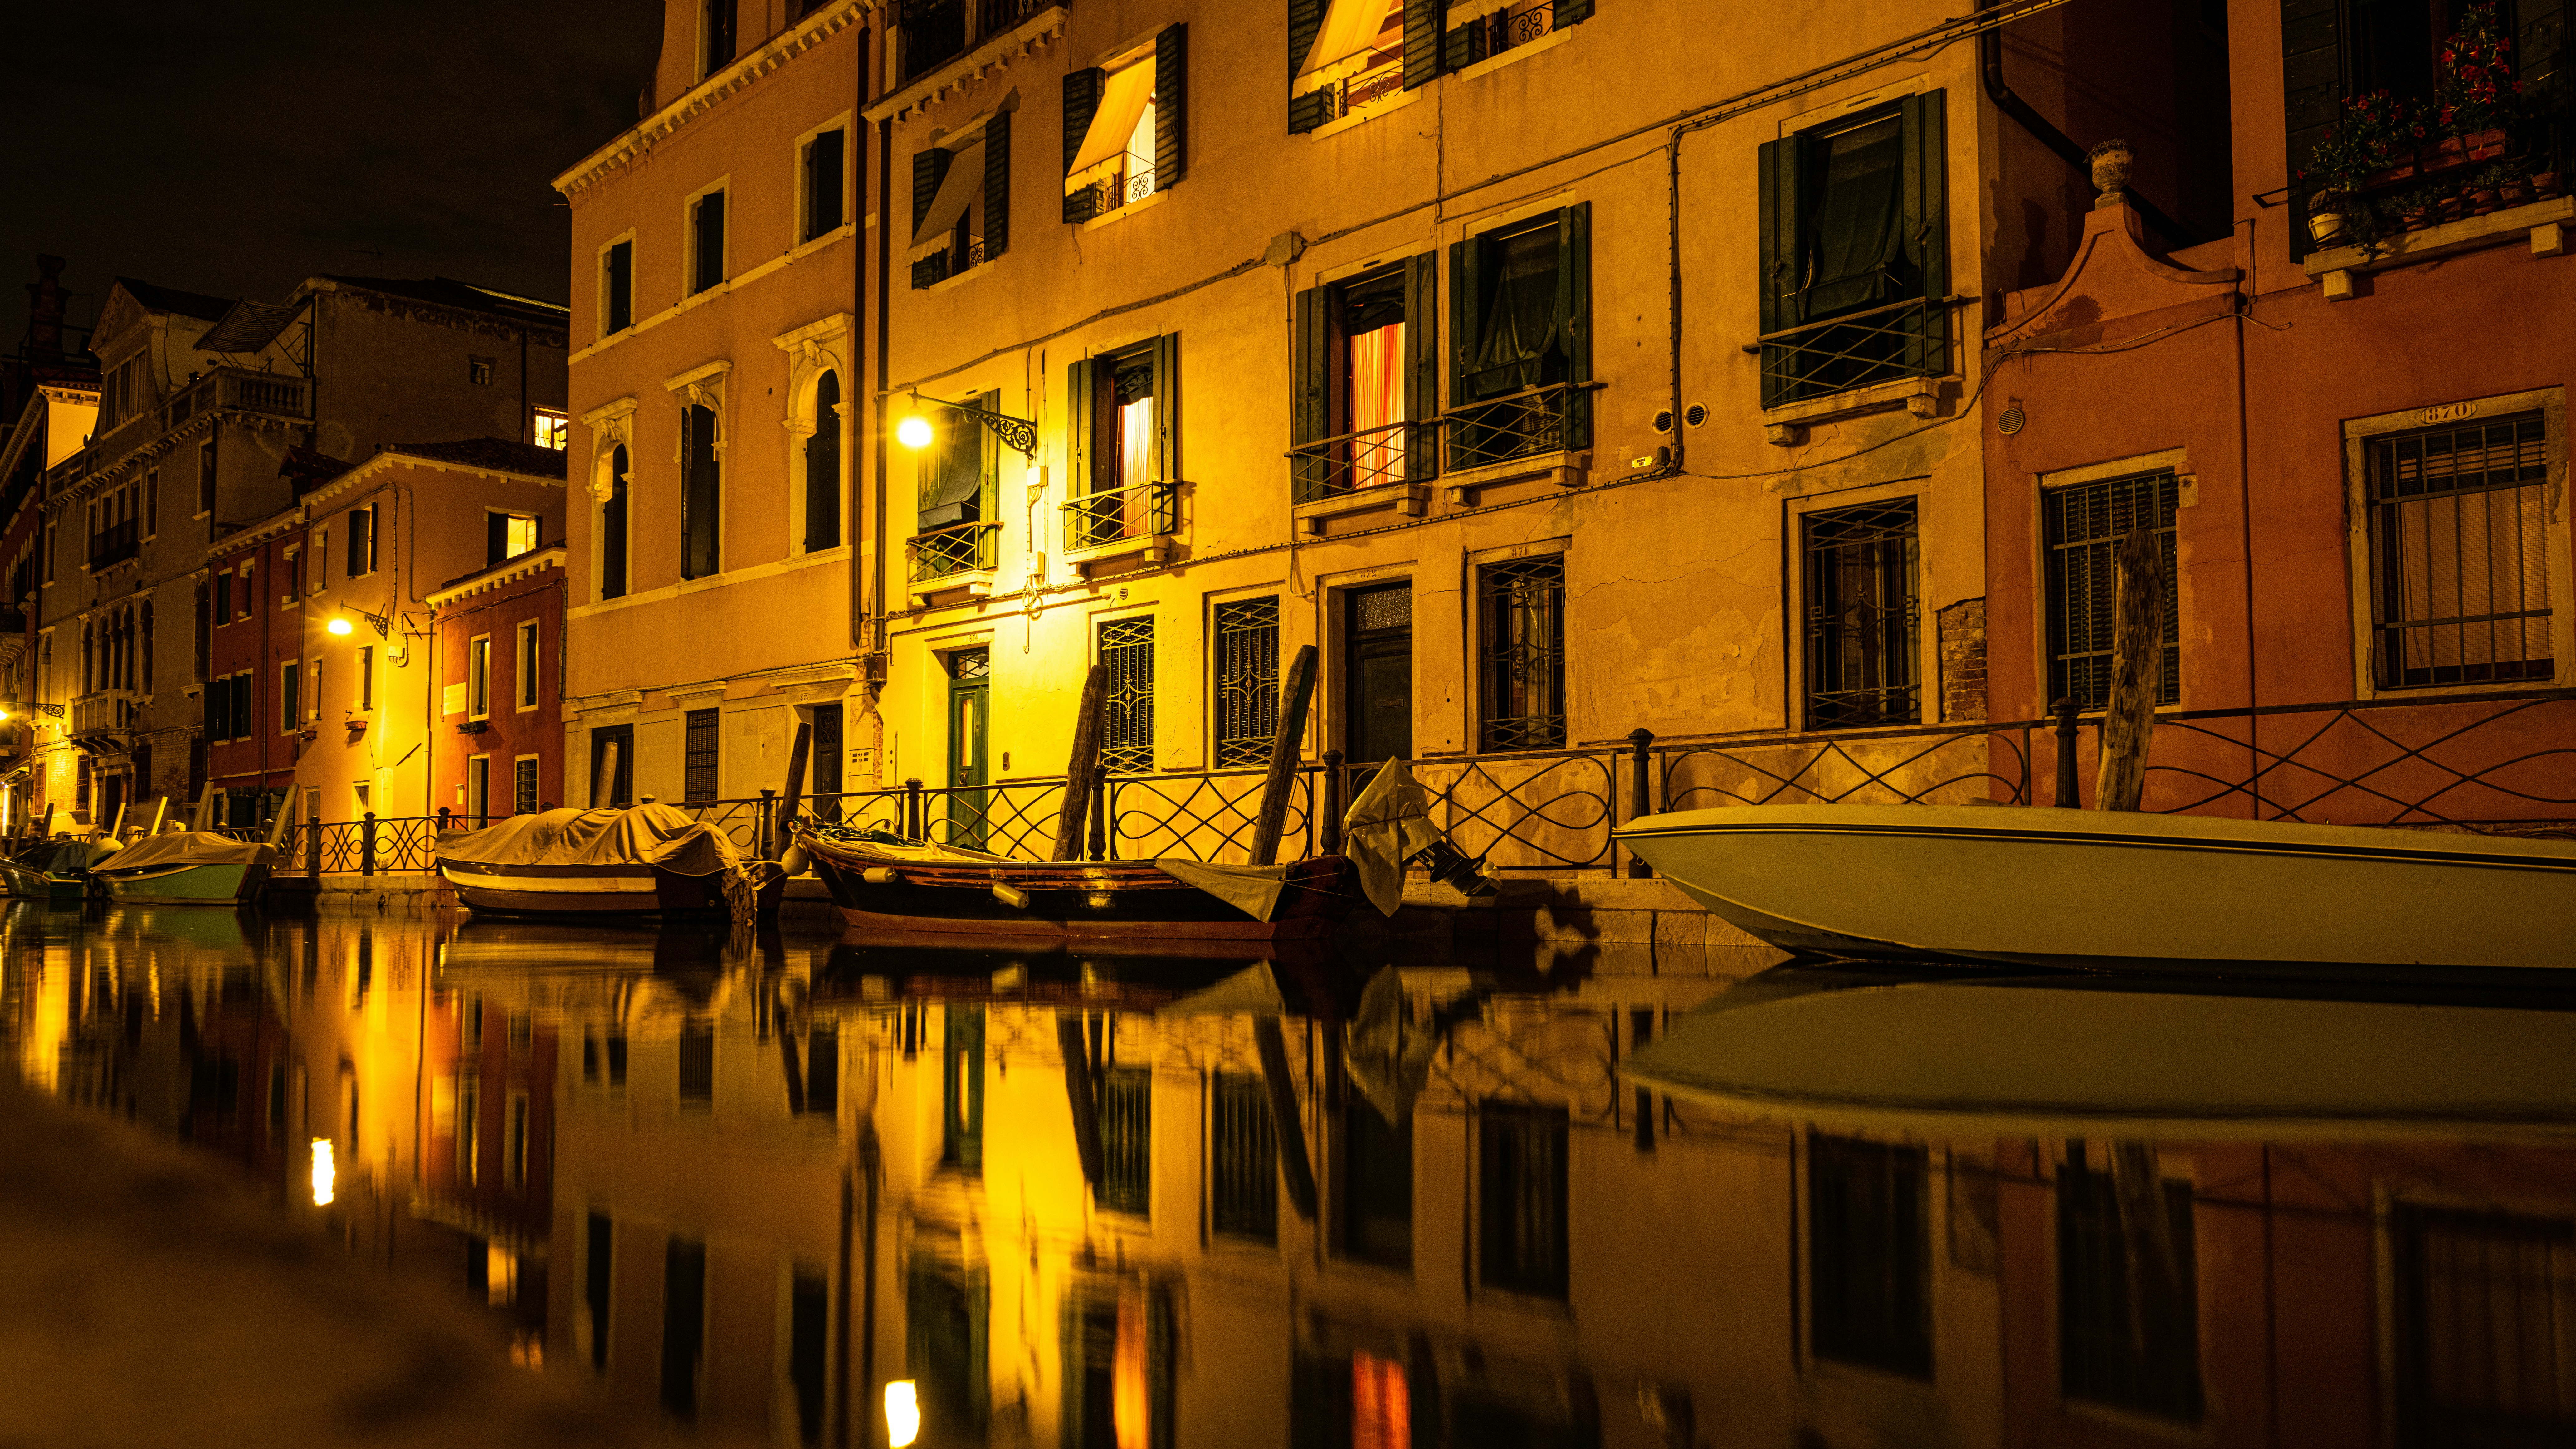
point(239, 148)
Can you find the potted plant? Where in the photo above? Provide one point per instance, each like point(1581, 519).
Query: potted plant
point(2414, 210)
point(2512, 184)
point(2476, 94)
point(2483, 188)
point(2545, 183)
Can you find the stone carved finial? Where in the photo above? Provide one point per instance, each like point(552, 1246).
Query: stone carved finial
point(2111, 172)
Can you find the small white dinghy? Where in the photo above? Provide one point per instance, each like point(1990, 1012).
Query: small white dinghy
point(2107, 890)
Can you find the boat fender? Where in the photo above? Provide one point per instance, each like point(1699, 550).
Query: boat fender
point(794, 860)
point(1012, 896)
point(880, 875)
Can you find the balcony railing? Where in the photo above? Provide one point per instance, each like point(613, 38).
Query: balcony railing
point(1118, 189)
point(1354, 462)
point(960, 548)
point(1489, 35)
point(116, 543)
point(104, 710)
point(1550, 418)
point(935, 31)
point(1145, 510)
point(1861, 349)
point(239, 389)
point(938, 267)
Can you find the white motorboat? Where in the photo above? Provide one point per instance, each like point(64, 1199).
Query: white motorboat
point(2108, 890)
point(2066, 1055)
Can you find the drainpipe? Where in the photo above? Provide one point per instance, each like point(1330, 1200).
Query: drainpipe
point(885, 378)
point(858, 332)
point(1990, 51)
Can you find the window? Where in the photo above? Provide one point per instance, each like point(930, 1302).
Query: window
point(224, 597)
point(1367, 366)
point(1521, 340)
point(1124, 449)
point(1245, 1190)
point(478, 676)
point(508, 535)
point(2482, 1304)
point(1507, 27)
point(1127, 1140)
point(2084, 524)
point(1855, 260)
point(289, 696)
point(823, 165)
point(1863, 620)
point(367, 676)
point(1869, 1254)
point(823, 466)
point(617, 288)
point(1373, 1217)
point(959, 473)
point(205, 482)
point(478, 788)
point(961, 202)
point(2459, 568)
point(152, 503)
point(2128, 1287)
point(523, 785)
point(698, 782)
point(706, 240)
point(718, 34)
point(523, 665)
point(244, 594)
point(291, 566)
point(1127, 737)
point(313, 694)
point(143, 646)
point(53, 540)
point(1346, 55)
point(612, 531)
point(551, 429)
point(1125, 129)
point(1247, 681)
point(318, 577)
point(701, 493)
point(205, 626)
point(478, 371)
point(361, 550)
point(1520, 1198)
point(1521, 609)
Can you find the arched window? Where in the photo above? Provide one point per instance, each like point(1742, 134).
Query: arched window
point(823, 467)
point(612, 530)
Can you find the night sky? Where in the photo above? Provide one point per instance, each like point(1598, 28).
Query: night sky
point(237, 149)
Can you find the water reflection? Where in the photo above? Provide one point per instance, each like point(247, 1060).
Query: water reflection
point(758, 1181)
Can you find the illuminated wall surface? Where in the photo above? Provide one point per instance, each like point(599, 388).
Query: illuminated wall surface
point(755, 1185)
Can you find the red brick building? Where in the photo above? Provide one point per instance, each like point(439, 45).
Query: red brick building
point(497, 742)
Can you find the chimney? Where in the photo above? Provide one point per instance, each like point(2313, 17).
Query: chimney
point(45, 311)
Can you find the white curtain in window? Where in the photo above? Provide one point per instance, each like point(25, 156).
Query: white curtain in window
point(1122, 104)
point(1136, 443)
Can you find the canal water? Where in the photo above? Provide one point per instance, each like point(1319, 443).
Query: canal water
point(395, 1179)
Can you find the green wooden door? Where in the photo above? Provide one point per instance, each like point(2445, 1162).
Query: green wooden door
point(969, 746)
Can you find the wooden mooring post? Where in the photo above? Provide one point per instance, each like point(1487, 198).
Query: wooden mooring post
point(2137, 668)
point(1296, 692)
point(1078, 769)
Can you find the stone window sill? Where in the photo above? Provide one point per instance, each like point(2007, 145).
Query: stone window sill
point(2544, 222)
point(1107, 218)
point(974, 584)
point(1786, 427)
point(1366, 114)
point(1413, 498)
point(1155, 546)
point(1565, 469)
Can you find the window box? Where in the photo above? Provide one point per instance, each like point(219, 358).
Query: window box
point(2543, 222)
point(1413, 498)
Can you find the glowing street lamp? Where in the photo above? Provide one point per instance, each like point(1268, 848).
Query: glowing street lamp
point(341, 626)
point(1018, 434)
point(903, 1414)
point(914, 432)
point(338, 626)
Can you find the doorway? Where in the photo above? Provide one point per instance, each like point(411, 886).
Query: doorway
point(970, 678)
point(612, 767)
point(826, 762)
point(1377, 634)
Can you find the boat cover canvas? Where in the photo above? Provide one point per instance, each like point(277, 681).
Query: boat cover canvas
point(1388, 823)
point(65, 854)
point(1389, 1051)
point(651, 834)
point(1253, 991)
point(183, 848)
point(1251, 889)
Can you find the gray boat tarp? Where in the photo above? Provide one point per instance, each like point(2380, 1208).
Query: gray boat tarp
point(183, 848)
point(1251, 889)
point(653, 834)
point(1388, 823)
point(1389, 1053)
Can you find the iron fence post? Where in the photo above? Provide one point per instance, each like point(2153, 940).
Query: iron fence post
point(1332, 826)
point(2068, 797)
point(913, 828)
point(367, 844)
point(768, 820)
point(313, 847)
point(1100, 812)
point(1641, 744)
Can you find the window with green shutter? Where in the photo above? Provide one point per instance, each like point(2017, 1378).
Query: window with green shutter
point(1520, 341)
point(1855, 253)
point(1367, 380)
point(961, 202)
point(1125, 127)
point(1123, 449)
point(1347, 55)
point(957, 527)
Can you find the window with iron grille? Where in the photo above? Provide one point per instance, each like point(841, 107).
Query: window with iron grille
point(1854, 253)
point(1520, 1201)
point(698, 782)
point(2459, 570)
point(1523, 643)
point(2483, 1304)
point(697, 1062)
point(523, 786)
point(1127, 731)
point(1246, 1189)
point(1863, 619)
point(1247, 681)
point(1869, 1254)
point(2084, 524)
point(2128, 1306)
point(1126, 1140)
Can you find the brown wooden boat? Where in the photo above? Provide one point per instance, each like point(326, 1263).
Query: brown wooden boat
point(909, 889)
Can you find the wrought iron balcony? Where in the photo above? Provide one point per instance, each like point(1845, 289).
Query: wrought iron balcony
point(1549, 418)
point(1859, 349)
point(936, 32)
point(960, 548)
point(940, 266)
point(1120, 189)
point(1143, 510)
point(1369, 458)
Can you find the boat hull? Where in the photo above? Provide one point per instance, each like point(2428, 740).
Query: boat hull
point(1110, 903)
point(592, 890)
point(2120, 891)
point(222, 884)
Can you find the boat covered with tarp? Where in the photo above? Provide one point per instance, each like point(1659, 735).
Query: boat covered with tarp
point(649, 860)
point(57, 869)
point(187, 868)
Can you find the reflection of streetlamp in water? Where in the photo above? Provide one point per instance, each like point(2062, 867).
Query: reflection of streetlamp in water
point(903, 1414)
point(323, 1173)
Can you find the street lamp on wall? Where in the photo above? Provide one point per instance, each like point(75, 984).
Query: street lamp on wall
point(16, 708)
point(917, 431)
point(342, 628)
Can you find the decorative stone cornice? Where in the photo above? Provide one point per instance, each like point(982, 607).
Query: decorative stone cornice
point(509, 571)
point(998, 53)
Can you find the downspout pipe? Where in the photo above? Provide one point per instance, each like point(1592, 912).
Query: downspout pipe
point(1990, 53)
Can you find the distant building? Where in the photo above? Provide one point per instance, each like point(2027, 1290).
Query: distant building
point(496, 739)
point(51, 393)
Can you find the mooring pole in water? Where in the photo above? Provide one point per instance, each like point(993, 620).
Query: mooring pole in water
point(783, 833)
point(2137, 668)
point(1079, 1094)
point(1296, 692)
point(1287, 1125)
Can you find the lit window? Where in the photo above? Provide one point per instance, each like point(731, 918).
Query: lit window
point(553, 430)
point(478, 676)
point(478, 371)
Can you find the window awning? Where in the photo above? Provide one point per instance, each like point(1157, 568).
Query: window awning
point(956, 193)
point(1122, 105)
point(1349, 28)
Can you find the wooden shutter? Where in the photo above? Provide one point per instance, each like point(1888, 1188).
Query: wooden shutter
point(1081, 102)
point(1306, 398)
point(1570, 12)
point(1778, 278)
point(929, 168)
point(1078, 409)
point(997, 186)
point(1422, 364)
point(1305, 22)
point(1167, 407)
point(1466, 44)
point(1574, 315)
point(1171, 106)
point(1422, 38)
point(496, 537)
point(1310, 110)
point(2312, 65)
point(1926, 240)
point(1466, 284)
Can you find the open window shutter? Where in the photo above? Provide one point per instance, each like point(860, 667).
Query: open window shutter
point(1779, 274)
point(929, 168)
point(1466, 287)
point(1305, 22)
point(997, 186)
point(1464, 45)
point(1171, 106)
point(1422, 364)
point(1423, 33)
point(1081, 102)
point(1926, 239)
point(1079, 409)
point(1569, 12)
point(1310, 110)
point(496, 537)
point(988, 472)
point(1306, 400)
point(2311, 92)
point(1167, 408)
point(1574, 315)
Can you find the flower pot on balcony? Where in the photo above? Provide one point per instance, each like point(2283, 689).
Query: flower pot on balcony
point(2545, 184)
point(2326, 227)
point(2448, 152)
point(2516, 192)
point(2402, 172)
point(2485, 145)
point(2481, 202)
